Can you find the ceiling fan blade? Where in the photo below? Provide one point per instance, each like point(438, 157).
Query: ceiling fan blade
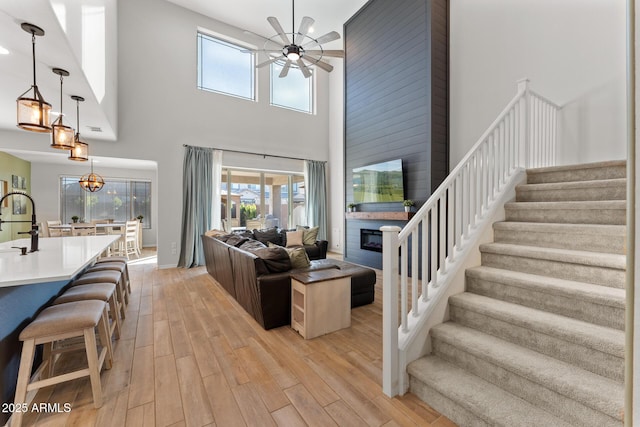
point(276, 26)
point(304, 29)
point(285, 69)
point(331, 53)
point(271, 61)
point(316, 61)
point(303, 68)
point(329, 37)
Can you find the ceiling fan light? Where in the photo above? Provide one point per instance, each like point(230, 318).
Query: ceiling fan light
point(292, 52)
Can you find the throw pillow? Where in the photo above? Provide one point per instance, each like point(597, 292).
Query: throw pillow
point(294, 238)
point(275, 258)
point(298, 256)
point(310, 236)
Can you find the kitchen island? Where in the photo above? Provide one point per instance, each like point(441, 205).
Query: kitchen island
point(28, 283)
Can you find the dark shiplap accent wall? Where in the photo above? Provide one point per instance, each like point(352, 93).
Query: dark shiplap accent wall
point(396, 102)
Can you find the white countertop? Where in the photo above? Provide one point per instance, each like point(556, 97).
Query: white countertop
point(59, 258)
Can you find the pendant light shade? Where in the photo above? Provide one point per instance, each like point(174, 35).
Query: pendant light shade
point(33, 110)
point(80, 150)
point(62, 136)
point(91, 182)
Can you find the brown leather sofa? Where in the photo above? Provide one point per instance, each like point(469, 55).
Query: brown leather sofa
point(260, 279)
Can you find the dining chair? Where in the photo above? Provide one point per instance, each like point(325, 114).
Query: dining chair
point(53, 232)
point(128, 244)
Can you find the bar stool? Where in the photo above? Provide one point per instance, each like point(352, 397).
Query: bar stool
point(57, 323)
point(122, 260)
point(115, 266)
point(107, 276)
point(99, 291)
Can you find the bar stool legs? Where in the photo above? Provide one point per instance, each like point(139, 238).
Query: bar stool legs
point(61, 322)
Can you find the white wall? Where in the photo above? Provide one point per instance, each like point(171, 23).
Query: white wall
point(160, 108)
point(335, 167)
point(573, 51)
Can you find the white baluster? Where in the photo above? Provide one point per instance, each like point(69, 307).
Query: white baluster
point(414, 272)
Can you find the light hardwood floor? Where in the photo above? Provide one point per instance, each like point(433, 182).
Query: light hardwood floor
point(190, 356)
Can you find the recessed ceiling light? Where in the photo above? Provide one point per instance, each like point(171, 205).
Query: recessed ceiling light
point(4, 51)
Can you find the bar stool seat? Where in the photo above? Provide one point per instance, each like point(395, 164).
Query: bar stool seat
point(96, 291)
point(116, 266)
point(57, 323)
point(106, 276)
point(122, 260)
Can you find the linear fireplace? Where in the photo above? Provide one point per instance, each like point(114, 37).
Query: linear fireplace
point(371, 240)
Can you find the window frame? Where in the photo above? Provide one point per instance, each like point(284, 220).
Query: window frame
point(312, 89)
point(235, 44)
point(130, 182)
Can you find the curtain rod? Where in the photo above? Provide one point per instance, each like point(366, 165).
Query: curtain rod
point(254, 154)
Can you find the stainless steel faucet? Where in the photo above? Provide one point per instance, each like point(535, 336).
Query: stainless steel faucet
point(34, 225)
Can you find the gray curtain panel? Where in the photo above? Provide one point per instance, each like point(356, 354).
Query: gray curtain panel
point(197, 196)
point(316, 183)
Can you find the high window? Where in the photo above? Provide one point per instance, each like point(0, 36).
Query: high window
point(293, 91)
point(119, 199)
point(225, 67)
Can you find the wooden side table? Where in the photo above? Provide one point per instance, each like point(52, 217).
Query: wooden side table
point(320, 302)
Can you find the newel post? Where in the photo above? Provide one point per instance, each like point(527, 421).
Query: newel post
point(390, 372)
point(525, 123)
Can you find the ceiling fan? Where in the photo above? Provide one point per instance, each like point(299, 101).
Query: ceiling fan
point(300, 50)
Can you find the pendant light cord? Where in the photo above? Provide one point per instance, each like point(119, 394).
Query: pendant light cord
point(61, 99)
point(78, 116)
point(33, 57)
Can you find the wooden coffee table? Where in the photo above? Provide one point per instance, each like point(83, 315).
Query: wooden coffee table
point(320, 302)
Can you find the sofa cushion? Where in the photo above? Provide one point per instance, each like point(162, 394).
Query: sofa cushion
point(310, 235)
point(298, 256)
point(276, 259)
point(251, 245)
point(266, 236)
point(236, 241)
point(244, 233)
point(294, 238)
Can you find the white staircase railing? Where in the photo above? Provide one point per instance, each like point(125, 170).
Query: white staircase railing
point(429, 247)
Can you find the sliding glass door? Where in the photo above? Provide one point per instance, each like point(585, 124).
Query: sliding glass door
point(261, 200)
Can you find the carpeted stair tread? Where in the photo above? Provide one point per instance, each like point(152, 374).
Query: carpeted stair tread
point(600, 338)
point(591, 390)
point(568, 185)
point(570, 205)
point(552, 286)
point(489, 403)
point(578, 172)
point(542, 227)
point(575, 212)
point(604, 238)
point(594, 259)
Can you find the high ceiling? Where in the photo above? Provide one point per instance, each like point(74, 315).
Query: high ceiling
point(55, 50)
point(329, 15)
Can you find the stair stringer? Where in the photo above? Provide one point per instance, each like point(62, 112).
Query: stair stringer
point(436, 310)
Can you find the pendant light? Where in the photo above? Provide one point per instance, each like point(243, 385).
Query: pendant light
point(62, 136)
point(91, 182)
point(33, 112)
point(80, 150)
